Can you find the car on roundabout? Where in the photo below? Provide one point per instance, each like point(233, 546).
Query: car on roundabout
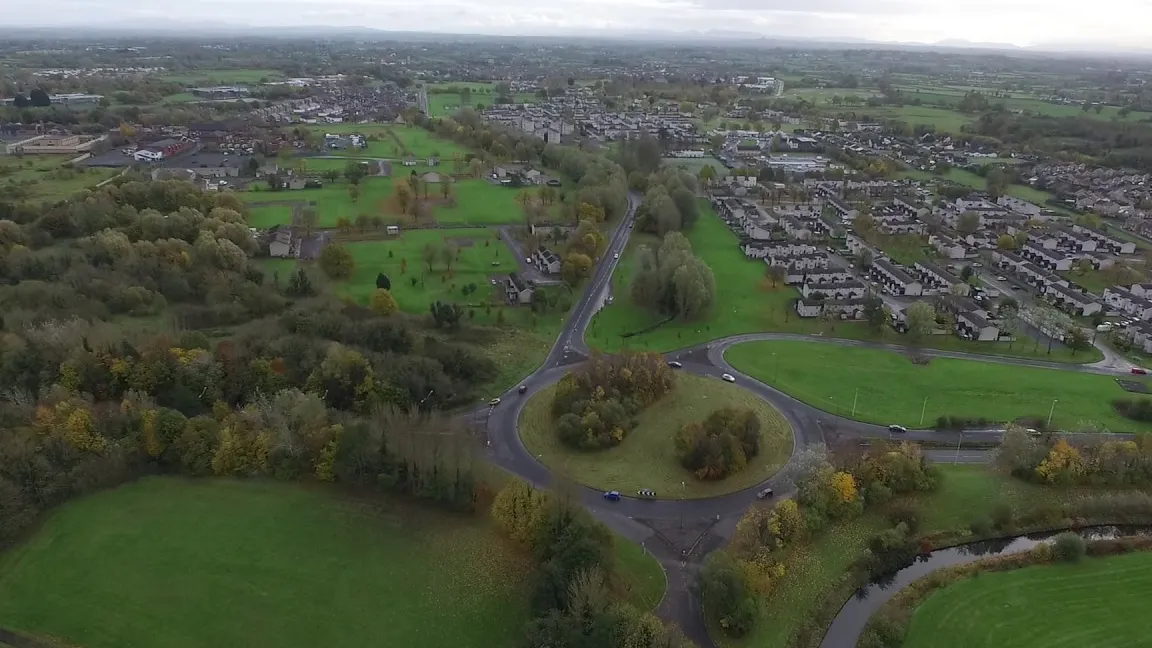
point(494, 402)
point(764, 494)
point(728, 378)
point(612, 496)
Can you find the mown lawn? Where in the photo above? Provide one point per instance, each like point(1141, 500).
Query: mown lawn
point(747, 302)
point(331, 202)
point(1098, 602)
point(888, 388)
point(479, 202)
point(813, 570)
point(402, 260)
point(647, 457)
point(174, 563)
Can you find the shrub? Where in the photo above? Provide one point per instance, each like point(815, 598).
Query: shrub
point(981, 526)
point(960, 422)
point(720, 445)
point(1068, 547)
point(907, 515)
point(1137, 409)
point(728, 600)
point(1002, 516)
point(878, 495)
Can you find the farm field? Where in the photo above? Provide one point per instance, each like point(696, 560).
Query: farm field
point(167, 562)
point(951, 95)
point(887, 388)
point(647, 458)
point(1100, 602)
point(945, 120)
point(222, 77)
point(43, 177)
point(813, 570)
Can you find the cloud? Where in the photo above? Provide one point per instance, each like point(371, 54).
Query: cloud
point(848, 7)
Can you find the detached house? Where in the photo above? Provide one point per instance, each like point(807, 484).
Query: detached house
point(517, 290)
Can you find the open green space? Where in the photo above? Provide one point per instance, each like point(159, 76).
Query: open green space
point(885, 387)
point(221, 77)
point(943, 119)
point(813, 570)
point(414, 141)
point(1099, 602)
point(175, 563)
point(46, 177)
point(331, 202)
point(747, 302)
point(479, 202)
point(442, 103)
point(647, 456)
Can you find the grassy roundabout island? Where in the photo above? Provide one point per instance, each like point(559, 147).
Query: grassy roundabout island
point(178, 563)
point(647, 458)
point(1097, 602)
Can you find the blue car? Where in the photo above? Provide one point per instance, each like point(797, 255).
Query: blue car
point(612, 496)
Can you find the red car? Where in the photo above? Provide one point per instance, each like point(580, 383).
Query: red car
point(1139, 370)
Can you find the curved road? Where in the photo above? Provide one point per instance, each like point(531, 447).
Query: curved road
point(678, 533)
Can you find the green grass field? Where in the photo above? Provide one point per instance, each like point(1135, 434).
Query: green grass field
point(417, 141)
point(647, 458)
point(747, 303)
point(43, 177)
point(812, 570)
point(944, 119)
point(332, 202)
point(744, 302)
point(173, 563)
point(479, 202)
point(222, 77)
point(1099, 602)
point(888, 388)
point(443, 104)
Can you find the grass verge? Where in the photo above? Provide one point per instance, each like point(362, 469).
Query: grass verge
point(884, 387)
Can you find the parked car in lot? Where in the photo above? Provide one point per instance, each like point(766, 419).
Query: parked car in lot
point(899, 429)
point(674, 364)
point(1139, 370)
point(646, 492)
point(728, 378)
point(612, 496)
point(764, 494)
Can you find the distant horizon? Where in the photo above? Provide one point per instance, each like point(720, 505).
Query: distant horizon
point(1115, 26)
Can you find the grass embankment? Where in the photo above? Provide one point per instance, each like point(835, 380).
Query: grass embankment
point(1098, 602)
point(746, 302)
point(171, 562)
point(888, 388)
point(647, 457)
point(814, 571)
point(47, 177)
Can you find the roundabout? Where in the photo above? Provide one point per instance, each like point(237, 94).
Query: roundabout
point(646, 458)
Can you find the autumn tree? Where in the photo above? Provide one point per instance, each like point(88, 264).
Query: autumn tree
point(576, 267)
point(1063, 465)
point(383, 303)
point(336, 261)
point(921, 319)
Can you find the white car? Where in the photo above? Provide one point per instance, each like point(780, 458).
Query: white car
point(728, 378)
point(616, 256)
point(494, 402)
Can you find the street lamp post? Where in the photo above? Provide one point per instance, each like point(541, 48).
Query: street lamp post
point(1051, 410)
point(854, 398)
point(956, 459)
point(923, 410)
point(776, 362)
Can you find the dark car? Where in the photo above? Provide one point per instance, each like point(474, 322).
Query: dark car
point(612, 496)
point(1139, 371)
point(522, 388)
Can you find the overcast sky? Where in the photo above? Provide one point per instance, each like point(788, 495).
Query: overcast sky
point(1117, 23)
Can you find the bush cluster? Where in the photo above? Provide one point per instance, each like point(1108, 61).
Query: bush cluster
point(719, 445)
point(595, 406)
